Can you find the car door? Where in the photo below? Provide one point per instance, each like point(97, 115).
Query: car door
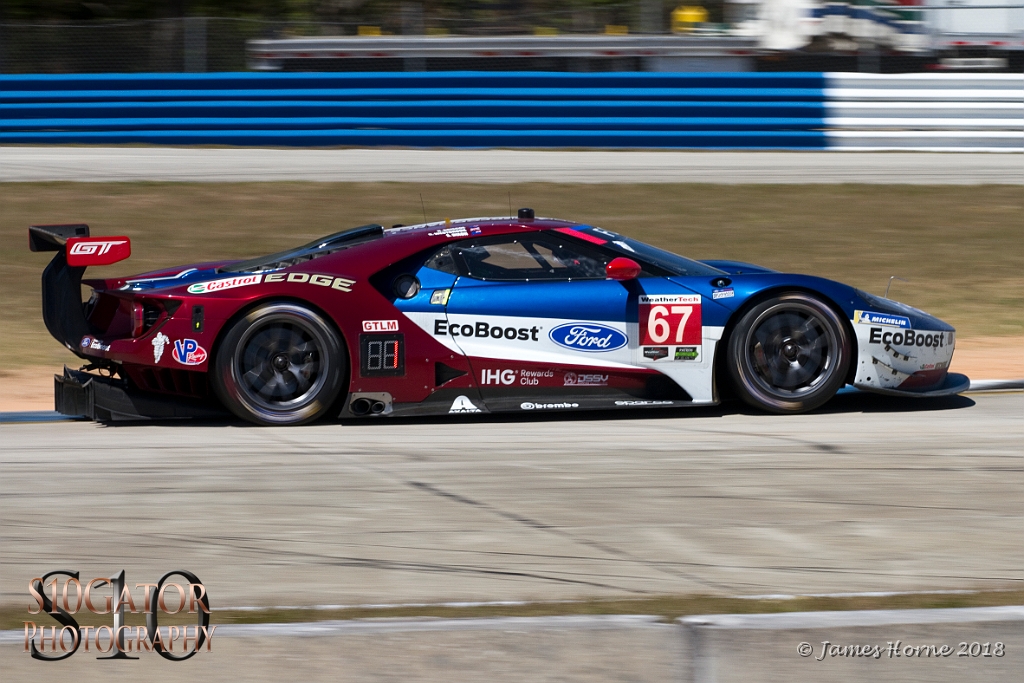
point(543, 327)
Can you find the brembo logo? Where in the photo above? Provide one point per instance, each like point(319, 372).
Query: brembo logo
point(94, 247)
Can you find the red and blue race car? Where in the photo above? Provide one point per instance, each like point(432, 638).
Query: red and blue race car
point(469, 316)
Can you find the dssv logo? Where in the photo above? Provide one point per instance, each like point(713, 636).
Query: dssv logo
point(589, 337)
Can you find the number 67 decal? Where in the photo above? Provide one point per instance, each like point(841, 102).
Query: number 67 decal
point(670, 319)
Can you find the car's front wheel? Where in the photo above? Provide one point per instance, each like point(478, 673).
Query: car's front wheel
point(281, 364)
point(789, 353)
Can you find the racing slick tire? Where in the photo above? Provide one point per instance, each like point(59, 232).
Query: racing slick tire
point(281, 364)
point(789, 353)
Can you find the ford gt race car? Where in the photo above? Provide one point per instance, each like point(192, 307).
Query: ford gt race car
point(469, 316)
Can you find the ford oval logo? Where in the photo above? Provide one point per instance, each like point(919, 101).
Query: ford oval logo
point(591, 337)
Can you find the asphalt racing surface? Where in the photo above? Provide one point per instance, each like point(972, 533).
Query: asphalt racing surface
point(25, 163)
point(873, 494)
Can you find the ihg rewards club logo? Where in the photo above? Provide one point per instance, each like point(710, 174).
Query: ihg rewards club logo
point(177, 643)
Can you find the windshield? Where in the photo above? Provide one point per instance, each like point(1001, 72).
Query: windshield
point(673, 264)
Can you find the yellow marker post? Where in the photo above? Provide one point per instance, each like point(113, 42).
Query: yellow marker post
point(684, 18)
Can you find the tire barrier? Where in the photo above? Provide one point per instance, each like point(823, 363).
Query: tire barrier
point(518, 109)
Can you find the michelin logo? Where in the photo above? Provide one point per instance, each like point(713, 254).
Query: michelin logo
point(870, 318)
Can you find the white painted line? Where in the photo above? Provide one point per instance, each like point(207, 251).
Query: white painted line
point(396, 605)
point(882, 617)
point(868, 594)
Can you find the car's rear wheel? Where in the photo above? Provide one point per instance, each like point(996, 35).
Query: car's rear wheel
point(281, 364)
point(789, 353)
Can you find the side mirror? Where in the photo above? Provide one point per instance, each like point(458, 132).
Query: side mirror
point(622, 268)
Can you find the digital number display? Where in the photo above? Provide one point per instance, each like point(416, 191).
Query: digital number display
point(382, 355)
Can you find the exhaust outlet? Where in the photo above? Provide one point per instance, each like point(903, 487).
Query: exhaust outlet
point(362, 406)
point(377, 407)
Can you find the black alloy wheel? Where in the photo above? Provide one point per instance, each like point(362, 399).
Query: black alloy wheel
point(789, 354)
point(282, 364)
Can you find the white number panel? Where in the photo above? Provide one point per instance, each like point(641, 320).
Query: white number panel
point(670, 328)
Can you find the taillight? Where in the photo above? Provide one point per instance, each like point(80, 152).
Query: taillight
point(138, 319)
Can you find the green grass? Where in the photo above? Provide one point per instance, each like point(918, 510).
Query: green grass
point(961, 248)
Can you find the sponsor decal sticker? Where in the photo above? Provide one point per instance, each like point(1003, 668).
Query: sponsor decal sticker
point(726, 293)
point(668, 319)
point(86, 341)
point(505, 377)
point(341, 284)
point(440, 297)
point(935, 340)
point(573, 379)
point(99, 346)
point(462, 404)
point(644, 403)
point(655, 352)
point(871, 318)
point(687, 353)
point(450, 232)
point(226, 283)
point(508, 377)
point(188, 352)
point(482, 330)
point(380, 326)
point(547, 406)
point(159, 342)
point(588, 337)
point(475, 230)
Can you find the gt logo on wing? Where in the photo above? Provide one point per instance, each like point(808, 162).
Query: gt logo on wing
point(89, 251)
point(94, 247)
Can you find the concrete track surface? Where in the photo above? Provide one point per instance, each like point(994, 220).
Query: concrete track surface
point(873, 494)
point(24, 163)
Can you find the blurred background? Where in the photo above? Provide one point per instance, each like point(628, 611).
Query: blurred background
point(63, 36)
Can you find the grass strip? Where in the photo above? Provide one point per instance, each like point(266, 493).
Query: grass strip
point(668, 607)
point(960, 247)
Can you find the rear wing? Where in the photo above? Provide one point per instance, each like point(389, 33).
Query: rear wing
point(54, 237)
point(63, 310)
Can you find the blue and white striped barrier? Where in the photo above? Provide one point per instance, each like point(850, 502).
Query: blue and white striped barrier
point(519, 109)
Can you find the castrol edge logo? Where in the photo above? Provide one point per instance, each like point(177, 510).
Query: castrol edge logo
point(227, 283)
point(91, 251)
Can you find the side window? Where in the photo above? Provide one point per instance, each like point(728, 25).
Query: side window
point(442, 260)
point(529, 257)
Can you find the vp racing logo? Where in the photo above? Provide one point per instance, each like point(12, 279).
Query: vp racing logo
point(187, 352)
point(588, 337)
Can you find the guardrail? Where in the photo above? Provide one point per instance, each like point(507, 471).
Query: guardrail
point(519, 109)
